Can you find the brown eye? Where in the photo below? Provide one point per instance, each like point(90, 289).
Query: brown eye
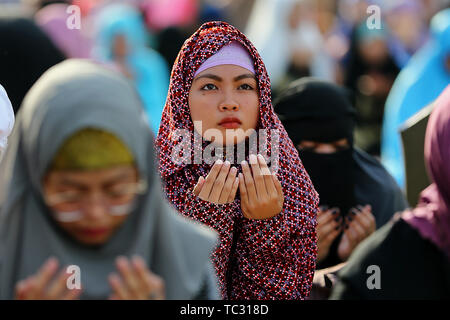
point(209, 87)
point(245, 86)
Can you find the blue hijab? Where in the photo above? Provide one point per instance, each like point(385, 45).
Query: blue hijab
point(418, 84)
point(149, 69)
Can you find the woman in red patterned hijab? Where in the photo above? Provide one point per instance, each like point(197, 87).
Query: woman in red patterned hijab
point(267, 229)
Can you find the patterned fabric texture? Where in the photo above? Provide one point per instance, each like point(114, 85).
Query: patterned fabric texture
point(255, 259)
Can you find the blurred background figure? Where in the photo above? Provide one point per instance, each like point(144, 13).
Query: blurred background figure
point(25, 54)
point(412, 253)
point(357, 195)
point(370, 73)
point(419, 83)
point(73, 42)
point(81, 189)
point(6, 120)
point(308, 34)
point(123, 40)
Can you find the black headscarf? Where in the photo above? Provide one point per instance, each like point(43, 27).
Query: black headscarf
point(25, 54)
point(315, 110)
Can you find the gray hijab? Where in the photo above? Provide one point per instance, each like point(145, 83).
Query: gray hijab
point(69, 97)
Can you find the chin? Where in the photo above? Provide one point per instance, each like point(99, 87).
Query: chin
point(93, 241)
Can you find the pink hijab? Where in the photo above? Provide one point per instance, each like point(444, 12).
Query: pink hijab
point(432, 215)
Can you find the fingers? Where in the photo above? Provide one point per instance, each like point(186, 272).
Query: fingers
point(248, 182)
point(24, 289)
point(326, 216)
point(267, 176)
point(219, 183)
point(119, 289)
point(130, 280)
point(228, 186)
point(136, 281)
point(244, 196)
point(59, 286)
point(72, 294)
point(210, 179)
point(198, 187)
point(329, 225)
point(366, 219)
point(42, 279)
point(45, 286)
point(258, 178)
point(233, 189)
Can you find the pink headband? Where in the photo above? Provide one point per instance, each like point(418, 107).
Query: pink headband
point(233, 53)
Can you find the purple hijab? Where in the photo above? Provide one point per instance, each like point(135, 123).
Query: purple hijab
point(432, 215)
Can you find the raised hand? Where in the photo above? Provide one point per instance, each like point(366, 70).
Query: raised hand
point(136, 281)
point(220, 185)
point(329, 226)
point(359, 224)
point(261, 192)
point(47, 284)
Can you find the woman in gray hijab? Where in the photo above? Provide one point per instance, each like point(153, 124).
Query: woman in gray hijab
point(81, 136)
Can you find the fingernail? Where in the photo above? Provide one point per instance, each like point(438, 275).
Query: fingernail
point(335, 211)
point(244, 163)
point(233, 170)
point(227, 163)
point(261, 158)
point(121, 261)
point(219, 161)
point(252, 158)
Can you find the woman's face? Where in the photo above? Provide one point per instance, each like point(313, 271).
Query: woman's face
point(98, 201)
point(224, 99)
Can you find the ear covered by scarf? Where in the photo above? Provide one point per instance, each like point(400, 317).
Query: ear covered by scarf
point(6, 119)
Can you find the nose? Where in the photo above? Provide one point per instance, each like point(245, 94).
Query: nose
point(229, 103)
point(96, 207)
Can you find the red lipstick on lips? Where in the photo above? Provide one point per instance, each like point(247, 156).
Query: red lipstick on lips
point(95, 232)
point(230, 123)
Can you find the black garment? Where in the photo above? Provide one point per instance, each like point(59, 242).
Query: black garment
point(410, 267)
point(374, 186)
point(320, 111)
point(25, 54)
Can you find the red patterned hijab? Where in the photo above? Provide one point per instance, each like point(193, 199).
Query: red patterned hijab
point(265, 259)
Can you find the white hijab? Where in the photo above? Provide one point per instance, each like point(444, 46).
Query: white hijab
point(6, 120)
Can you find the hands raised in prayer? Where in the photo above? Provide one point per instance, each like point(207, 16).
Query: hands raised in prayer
point(260, 190)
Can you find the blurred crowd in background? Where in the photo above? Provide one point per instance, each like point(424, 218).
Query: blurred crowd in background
point(392, 57)
point(327, 39)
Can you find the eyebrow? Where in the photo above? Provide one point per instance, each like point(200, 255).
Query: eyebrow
point(217, 78)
